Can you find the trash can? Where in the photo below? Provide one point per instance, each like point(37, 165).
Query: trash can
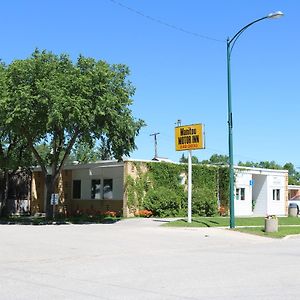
point(293, 210)
point(271, 224)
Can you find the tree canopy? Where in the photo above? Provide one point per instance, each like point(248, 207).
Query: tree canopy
point(47, 99)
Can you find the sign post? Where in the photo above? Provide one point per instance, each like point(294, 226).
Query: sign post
point(189, 137)
point(190, 186)
point(54, 201)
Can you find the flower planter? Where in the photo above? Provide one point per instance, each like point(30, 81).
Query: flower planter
point(271, 224)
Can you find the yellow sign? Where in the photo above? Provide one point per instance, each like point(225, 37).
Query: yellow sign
point(189, 137)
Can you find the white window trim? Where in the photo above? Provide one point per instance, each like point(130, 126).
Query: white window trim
point(238, 194)
point(276, 194)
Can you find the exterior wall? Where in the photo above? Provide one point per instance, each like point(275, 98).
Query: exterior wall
point(260, 194)
point(64, 190)
point(243, 207)
point(264, 184)
point(98, 205)
point(37, 194)
point(130, 169)
point(86, 175)
point(286, 194)
point(276, 207)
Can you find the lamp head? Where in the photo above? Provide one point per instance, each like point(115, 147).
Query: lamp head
point(275, 15)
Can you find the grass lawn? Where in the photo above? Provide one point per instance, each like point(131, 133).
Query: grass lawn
point(282, 231)
point(246, 222)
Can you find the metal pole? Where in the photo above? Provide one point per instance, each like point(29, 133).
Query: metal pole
point(230, 44)
point(190, 186)
point(230, 141)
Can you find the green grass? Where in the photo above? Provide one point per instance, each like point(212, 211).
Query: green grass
point(283, 229)
point(217, 222)
point(224, 222)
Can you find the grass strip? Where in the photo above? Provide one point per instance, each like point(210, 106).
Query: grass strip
point(224, 222)
point(282, 231)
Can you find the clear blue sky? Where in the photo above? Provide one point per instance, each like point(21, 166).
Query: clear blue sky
point(179, 75)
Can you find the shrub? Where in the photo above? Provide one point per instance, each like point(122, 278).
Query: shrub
point(204, 202)
point(144, 213)
point(162, 202)
point(111, 214)
point(223, 211)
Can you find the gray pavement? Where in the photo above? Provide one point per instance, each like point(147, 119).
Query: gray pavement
point(139, 259)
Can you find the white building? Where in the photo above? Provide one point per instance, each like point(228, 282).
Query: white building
point(260, 192)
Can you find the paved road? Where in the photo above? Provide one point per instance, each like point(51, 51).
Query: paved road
point(138, 259)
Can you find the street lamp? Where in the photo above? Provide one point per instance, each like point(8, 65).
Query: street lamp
point(230, 44)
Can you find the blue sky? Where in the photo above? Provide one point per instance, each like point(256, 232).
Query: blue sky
point(180, 75)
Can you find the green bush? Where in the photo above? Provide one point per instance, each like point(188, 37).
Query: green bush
point(204, 202)
point(163, 202)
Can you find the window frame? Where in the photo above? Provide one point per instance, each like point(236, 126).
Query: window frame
point(240, 194)
point(105, 183)
point(276, 194)
point(94, 193)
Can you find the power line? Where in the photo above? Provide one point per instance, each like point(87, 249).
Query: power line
point(165, 23)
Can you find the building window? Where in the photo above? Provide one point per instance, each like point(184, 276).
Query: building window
point(107, 189)
point(240, 194)
point(276, 194)
point(96, 189)
point(76, 189)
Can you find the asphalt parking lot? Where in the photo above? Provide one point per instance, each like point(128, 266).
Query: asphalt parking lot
point(139, 259)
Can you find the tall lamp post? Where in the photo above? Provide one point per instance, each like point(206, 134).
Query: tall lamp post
point(230, 44)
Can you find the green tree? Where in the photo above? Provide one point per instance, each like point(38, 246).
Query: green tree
point(14, 154)
point(250, 164)
point(184, 159)
point(49, 99)
point(262, 164)
point(294, 176)
point(216, 159)
point(83, 153)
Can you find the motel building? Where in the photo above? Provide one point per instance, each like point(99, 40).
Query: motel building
point(101, 185)
point(260, 192)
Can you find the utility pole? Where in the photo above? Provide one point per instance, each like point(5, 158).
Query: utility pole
point(178, 122)
point(155, 142)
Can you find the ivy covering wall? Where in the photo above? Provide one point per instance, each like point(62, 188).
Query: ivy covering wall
point(162, 188)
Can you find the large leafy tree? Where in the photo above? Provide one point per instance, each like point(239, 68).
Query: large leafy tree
point(14, 154)
point(51, 100)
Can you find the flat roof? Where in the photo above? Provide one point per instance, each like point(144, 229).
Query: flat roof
point(115, 163)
